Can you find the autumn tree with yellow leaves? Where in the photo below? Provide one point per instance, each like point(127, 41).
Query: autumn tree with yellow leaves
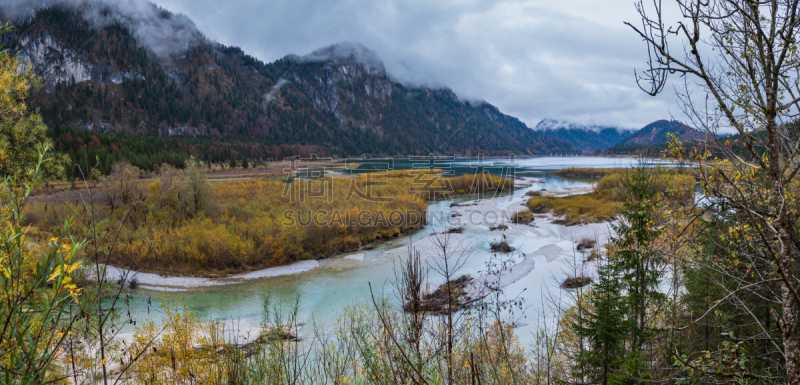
point(739, 60)
point(23, 135)
point(37, 292)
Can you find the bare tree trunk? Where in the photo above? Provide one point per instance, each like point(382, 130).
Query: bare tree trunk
point(788, 327)
point(789, 319)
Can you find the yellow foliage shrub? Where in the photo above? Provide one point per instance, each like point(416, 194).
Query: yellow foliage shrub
point(586, 208)
point(610, 193)
point(182, 351)
point(258, 223)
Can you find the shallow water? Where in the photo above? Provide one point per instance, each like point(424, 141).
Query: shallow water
point(324, 292)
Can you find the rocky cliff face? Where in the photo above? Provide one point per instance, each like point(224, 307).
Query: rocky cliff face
point(330, 83)
point(52, 61)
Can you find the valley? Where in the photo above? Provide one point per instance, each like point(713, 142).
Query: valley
point(341, 280)
point(437, 193)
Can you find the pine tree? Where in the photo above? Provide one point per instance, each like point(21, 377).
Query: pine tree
point(621, 302)
point(245, 164)
point(233, 163)
point(634, 256)
point(604, 326)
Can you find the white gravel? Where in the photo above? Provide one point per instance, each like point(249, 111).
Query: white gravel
point(167, 283)
point(542, 239)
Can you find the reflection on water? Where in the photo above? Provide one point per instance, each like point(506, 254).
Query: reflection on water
point(326, 291)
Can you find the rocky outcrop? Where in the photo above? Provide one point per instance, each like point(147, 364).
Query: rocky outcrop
point(53, 62)
point(344, 70)
point(119, 77)
point(58, 64)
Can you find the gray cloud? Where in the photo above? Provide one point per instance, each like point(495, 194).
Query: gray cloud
point(581, 55)
point(163, 33)
point(534, 59)
point(270, 96)
point(347, 52)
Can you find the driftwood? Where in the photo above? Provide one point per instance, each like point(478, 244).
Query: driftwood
point(437, 302)
point(501, 246)
point(586, 244)
point(274, 333)
point(564, 222)
point(576, 282)
point(498, 227)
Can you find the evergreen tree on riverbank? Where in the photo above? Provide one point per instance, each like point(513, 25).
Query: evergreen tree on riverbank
point(625, 299)
point(633, 255)
point(605, 327)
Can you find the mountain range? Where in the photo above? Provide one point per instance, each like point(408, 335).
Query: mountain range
point(592, 139)
point(587, 138)
point(147, 71)
point(656, 134)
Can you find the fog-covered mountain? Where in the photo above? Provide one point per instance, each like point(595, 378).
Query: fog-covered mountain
point(582, 137)
point(657, 133)
point(142, 70)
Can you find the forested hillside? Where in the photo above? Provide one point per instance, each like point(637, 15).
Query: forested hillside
point(655, 135)
point(101, 75)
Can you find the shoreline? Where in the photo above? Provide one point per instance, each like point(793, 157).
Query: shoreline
point(153, 281)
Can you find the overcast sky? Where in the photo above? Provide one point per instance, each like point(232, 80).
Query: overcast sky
point(568, 59)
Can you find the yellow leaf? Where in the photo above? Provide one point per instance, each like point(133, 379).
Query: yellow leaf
point(55, 274)
point(73, 267)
